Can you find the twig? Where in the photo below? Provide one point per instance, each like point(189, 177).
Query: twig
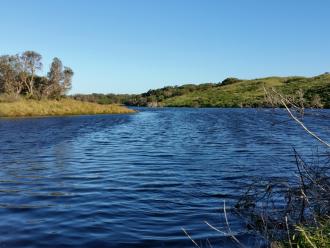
point(228, 227)
point(303, 188)
point(304, 127)
point(283, 100)
point(208, 241)
point(190, 237)
point(222, 232)
point(287, 228)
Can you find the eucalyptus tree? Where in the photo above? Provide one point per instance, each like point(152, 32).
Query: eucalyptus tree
point(10, 75)
point(59, 79)
point(31, 63)
point(67, 80)
point(19, 75)
point(55, 77)
point(6, 74)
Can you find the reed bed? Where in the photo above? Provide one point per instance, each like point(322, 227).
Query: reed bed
point(23, 108)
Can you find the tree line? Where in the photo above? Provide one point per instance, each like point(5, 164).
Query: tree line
point(150, 98)
point(19, 77)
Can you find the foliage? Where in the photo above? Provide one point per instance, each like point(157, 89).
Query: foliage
point(232, 92)
point(311, 237)
point(230, 80)
point(18, 76)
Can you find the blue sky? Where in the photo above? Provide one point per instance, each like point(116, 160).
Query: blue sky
point(130, 46)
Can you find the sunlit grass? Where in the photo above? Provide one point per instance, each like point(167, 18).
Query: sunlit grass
point(308, 237)
point(250, 93)
point(314, 237)
point(23, 108)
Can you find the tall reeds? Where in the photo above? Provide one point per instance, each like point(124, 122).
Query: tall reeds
point(24, 107)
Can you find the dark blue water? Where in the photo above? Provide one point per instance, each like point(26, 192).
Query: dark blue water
point(136, 180)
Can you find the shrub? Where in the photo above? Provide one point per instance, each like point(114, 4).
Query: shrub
point(230, 80)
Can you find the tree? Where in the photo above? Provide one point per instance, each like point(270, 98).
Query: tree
point(55, 77)
point(6, 74)
point(31, 62)
point(10, 71)
point(59, 79)
point(67, 80)
point(55, 74)
point(41, 87)
point(316, 102)
point(18, 75)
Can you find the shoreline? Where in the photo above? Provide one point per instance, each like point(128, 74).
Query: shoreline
point(59, 116)
point(58, 108)
point(223, 107)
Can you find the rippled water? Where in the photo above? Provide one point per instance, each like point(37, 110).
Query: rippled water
point(136, 180)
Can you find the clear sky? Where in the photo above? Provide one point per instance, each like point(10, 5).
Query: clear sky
point(130, 46)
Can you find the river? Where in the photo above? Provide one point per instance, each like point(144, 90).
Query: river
point(137, 180)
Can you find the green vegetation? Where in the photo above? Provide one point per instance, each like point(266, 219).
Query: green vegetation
point(18, 77)
point(313, 236)
point(308, 237)
point(24, 93)
point(232, 92)
point(25, 107)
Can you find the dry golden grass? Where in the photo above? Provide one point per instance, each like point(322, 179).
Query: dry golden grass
point(23, 108)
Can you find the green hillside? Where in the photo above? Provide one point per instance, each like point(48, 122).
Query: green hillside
point(250, 93)
point(231, 92)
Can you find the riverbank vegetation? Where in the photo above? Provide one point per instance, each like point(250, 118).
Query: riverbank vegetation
point(25, 93)
point(288, 211)
point(231, 92)
point(61, 107)
point(292, 212)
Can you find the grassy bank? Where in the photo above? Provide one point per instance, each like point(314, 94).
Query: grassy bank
point(312, 236)
point(307, 237)
point(231, 92)
point(250, 93)
point(24, 107)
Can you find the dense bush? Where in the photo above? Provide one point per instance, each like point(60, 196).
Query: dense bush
point(230, 80)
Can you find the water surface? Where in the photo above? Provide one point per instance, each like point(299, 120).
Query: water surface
point(136, 180)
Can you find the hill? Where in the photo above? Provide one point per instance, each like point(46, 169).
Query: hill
point(231, 92)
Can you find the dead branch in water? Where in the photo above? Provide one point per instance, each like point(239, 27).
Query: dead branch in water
point(305, 201)
point(275, 99)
